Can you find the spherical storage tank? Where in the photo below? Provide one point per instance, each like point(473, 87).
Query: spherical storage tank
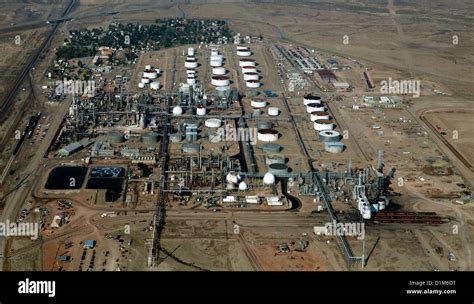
point(243, 186)
point(251, 76)
point(252, 84)
point(314, 107)
point(232, 178)
point(269, 179)
point(115, 137)
point(220, 80)
point(219, 71)
point(177, 111)
point(267, 135)
point(247, 62)
point(150, 138)
point(324, 124)
point(329, 135)
point(319, 115)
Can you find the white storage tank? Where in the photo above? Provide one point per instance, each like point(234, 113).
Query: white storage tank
point(249, 69)
point(148, 67)
point(311, 99)
point(141, 85)
point(177, 111)
point(145, 80)
point(267, 135)
point(273, 111)
point(258, 103)
point(247, 62)
point(252, 84)
point(214, 52)
point(191, 64)
point(324, 124)
point(155, 86)
point(220, 81)
point(216, 63)
point(201, 111)
point(251, 76)
point(314, 107)
point(191, 52)
point(191, 80)
point(244, 53)
point(319, 115)
point(213, 123)
point(219, 71)
point(243, 186)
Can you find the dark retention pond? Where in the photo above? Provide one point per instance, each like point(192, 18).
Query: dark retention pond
point(66, 177)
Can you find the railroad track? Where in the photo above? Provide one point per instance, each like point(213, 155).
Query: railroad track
point(427, 218)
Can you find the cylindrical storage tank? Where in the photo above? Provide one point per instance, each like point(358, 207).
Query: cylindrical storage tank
point(177, 111)
point(115, 137)
point(243, 186)
point(381, 203)
point(191, 80)
point(155, 86)
point(319, 115)
point(324, 124)
point(216, 63)
point(334, 147)
point(219, 71)
point(148, 67)
point(311, 99)
point(191, 51)
point(191, 148)
point(258, 103)
point(251, 76)
point(249, 69)
point(244, 53)
point(176, 137)
point(278, 169)
point(242, 47)
point(201, 111)
point(158, 71)
point(190, 58)
point(151, 74)
point(267, 135)
point(314, 107)
point(220, 81)
point(264, 124)
point(191, 72)
point(271, 148)
point(217, 57)
point(247, 62)
point(150, 138)
point(141, 85)
point(191, 64)
point(145, 80)
point(274, 159)
point(214, 52)
point(213, 123)
point(269, 179)
point(252, 84)
point(273, 111)
point(329, 135)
